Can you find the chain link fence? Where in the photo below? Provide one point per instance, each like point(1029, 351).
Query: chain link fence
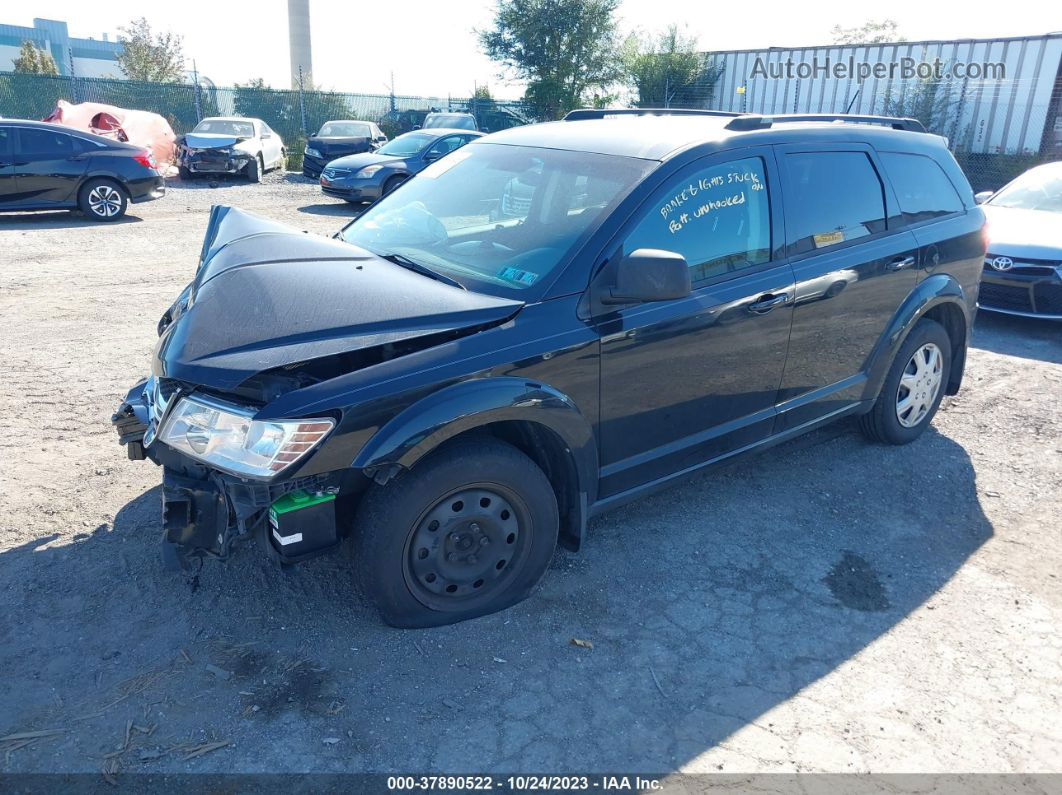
point(996, 128)
point(295, 114)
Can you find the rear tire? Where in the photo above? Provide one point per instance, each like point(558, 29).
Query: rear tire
point(102, 200)
point(467, 532)
point(184, 173)
point(913, 388)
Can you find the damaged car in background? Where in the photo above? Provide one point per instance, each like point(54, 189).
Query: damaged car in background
point(338, 138)
point(545, 324)
point(230, 145)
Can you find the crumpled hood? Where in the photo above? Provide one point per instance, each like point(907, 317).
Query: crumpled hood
point(1014, 232)
point(267, 295)
point(211, 140)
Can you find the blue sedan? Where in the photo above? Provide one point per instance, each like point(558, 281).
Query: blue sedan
point(367, 176)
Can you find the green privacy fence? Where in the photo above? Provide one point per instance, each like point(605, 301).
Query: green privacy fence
point(295, 114)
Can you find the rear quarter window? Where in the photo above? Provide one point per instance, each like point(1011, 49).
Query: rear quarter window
point(922, 188)
point(836, 197)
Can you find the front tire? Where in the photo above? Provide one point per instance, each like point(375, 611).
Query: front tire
point(467, 532)
point(393, 183)
point(102, 200)
point(254, 169)
point(913, 388)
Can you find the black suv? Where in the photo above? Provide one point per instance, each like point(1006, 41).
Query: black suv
point(456, 389)
point(51, 167)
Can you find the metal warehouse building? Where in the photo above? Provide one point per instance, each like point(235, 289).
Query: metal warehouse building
point(1012, 109)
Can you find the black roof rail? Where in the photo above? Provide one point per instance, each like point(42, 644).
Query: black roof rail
point(582, 114)
point(757, 122)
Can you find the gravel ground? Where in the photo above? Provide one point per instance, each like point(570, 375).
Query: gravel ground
point(830, 606)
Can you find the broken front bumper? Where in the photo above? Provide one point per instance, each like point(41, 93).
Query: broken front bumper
point(205, 511)
point(209, 161)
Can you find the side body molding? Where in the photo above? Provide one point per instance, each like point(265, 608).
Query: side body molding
point(940, 289)
point(561, 436)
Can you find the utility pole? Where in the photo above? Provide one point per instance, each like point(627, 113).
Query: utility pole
point(195, 93)
point(302, 104)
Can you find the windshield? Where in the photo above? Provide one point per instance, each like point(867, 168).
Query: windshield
point(222, 127)
point(407, 145)
point(453, 121)
point(502, 217)
point(344, 129)
point(1038, 189)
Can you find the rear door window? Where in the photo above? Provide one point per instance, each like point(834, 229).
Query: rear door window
point(837, 197)
point(41, 144)
point(718, 218)
point(922, 188)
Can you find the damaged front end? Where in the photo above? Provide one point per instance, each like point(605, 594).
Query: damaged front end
point(271, 314)
point(205, 510)
point(214, 160)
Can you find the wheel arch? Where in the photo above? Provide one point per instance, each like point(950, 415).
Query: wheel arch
point(940, 298)
point(537, 419)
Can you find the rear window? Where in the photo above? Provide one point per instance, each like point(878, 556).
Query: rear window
point(837, 197)
point(922, 188)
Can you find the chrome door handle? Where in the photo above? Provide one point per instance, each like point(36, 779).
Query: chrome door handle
point(900, 263)
point(768, 302)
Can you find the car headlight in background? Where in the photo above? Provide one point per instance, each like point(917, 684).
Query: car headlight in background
point(368, 171)
point(229, 438)
point(310, 151)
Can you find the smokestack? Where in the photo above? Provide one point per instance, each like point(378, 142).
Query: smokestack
point(299, 41)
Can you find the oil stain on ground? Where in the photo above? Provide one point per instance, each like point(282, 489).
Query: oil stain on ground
point(856, 585)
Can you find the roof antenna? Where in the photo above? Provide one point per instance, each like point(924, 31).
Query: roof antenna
point(850, 104)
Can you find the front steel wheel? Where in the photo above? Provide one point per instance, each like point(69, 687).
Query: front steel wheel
point(467, 531)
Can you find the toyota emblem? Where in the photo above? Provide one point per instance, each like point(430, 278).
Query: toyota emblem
point(1002, 263)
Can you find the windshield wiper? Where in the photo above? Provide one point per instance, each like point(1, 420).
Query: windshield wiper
point(423, 270)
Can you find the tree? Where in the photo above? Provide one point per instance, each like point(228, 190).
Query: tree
point(668, 71)
point(34, 60)
point(149, 56)
point(562, 48)
point(870, 32)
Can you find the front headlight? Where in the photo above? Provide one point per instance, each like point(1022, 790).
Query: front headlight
point(367, 172)
point(228, 437)
point(312, 152)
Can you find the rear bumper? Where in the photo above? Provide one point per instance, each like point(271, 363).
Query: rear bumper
point(147, 189)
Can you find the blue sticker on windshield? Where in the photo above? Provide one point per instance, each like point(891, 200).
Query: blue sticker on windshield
point(526, 278)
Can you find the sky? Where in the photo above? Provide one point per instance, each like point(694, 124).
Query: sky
point(430, 47)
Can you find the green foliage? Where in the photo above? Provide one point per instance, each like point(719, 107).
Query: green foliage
point(667, 70)
point(33, 60)
point(155, 57)
point(870, 32)
point(932, 102)
point(564, 49)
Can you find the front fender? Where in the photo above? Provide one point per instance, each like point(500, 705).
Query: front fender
point(423, 426)
point(931, 292)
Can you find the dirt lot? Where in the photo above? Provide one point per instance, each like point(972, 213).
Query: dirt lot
point(831, 606)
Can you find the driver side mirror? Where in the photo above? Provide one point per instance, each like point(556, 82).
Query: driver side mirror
point(432, 156)
point(648, 274)
point(983, 196)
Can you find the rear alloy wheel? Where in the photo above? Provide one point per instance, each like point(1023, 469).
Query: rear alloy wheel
point(103, 200)
point(913, 388)
point(468, 531)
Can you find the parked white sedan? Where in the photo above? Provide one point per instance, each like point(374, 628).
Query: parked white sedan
point(230, 145)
